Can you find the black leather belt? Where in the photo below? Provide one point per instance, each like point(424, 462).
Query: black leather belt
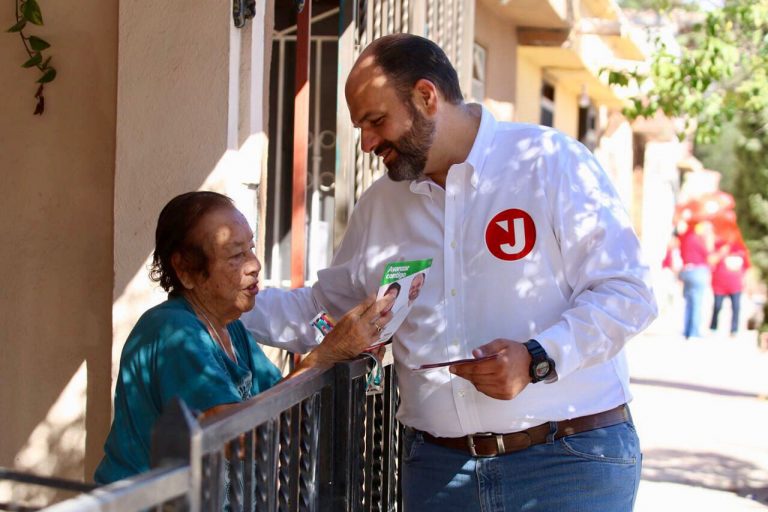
point(491, 445)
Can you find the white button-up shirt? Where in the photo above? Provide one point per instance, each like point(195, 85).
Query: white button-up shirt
point(529, 239)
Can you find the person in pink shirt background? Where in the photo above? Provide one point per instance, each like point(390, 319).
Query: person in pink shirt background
point(729, 262)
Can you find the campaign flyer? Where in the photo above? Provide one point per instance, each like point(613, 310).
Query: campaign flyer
point(404, 280)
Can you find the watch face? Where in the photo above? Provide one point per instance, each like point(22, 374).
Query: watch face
point(541, 369)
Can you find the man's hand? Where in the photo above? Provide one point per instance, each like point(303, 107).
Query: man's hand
point(503, 377)
point(356, 331)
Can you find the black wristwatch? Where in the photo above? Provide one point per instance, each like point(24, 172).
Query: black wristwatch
point(542, 366)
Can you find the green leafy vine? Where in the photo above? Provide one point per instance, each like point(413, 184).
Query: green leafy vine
point(28, 12)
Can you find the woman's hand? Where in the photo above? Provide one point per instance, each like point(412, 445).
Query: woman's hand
point(356, 331)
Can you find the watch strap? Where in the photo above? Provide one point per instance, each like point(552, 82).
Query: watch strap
point(539, 358)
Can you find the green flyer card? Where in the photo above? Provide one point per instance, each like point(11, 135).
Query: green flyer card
point(404, 280)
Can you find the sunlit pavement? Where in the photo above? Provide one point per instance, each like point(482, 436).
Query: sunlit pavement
point(701, 411)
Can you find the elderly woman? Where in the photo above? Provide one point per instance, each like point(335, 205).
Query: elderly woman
point(192, 345)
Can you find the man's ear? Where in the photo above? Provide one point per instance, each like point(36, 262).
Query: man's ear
point(425, 96)
point(180, 267)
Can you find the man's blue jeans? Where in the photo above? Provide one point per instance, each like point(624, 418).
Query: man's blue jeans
point(696, 281)
point(594, 471)
point(735, 306)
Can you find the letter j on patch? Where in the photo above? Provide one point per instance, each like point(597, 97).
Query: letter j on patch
point(510, 235)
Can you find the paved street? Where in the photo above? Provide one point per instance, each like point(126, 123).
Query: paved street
point(702, 414)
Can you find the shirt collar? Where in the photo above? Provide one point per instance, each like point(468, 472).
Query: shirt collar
point(483, 141)
point(476, 156)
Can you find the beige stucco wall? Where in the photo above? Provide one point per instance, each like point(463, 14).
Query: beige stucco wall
point(172, 122)
point(56, 174)
point(172, 127)
point(615, 153)
point(499, 38)
point(566, 109)
point(528, 81)
point(185, 123)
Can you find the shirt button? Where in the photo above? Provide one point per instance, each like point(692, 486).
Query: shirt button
point(462, 393)
point(453, 244)
point(453, 291)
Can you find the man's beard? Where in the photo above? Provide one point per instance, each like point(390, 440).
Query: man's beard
point(412, 148)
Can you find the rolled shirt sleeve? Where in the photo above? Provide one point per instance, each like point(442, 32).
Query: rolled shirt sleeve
point(611, 299)
point(281, 319)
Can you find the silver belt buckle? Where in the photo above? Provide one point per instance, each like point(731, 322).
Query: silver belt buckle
point(500, 450)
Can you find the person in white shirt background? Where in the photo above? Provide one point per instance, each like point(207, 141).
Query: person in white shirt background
point(534, 262)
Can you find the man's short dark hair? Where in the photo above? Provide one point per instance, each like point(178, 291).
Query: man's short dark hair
point(177, 220)
point(407, 58)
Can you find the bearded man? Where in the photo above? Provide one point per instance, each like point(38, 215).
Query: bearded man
point(537, 276)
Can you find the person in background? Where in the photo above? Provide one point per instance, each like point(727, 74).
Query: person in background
point(729, 262)
point(696, 244)
point(192, 345)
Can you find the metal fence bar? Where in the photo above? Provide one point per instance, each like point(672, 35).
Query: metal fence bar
point(283, 489)
point(390, 438)
point(308, 454)
point(54, 483)
point(357, 442)
point(315, 442)
point(158, 486)
point(262, 408)
point(266, 467)
point(234, 476)
point(212, 482)
point(373, 452)
point(249, 468)
point(326, 462)
point(293, 457)
point(349, 389)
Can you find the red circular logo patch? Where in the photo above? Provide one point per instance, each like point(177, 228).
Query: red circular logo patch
point(510, 235)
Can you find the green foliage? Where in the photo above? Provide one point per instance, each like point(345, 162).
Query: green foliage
point(720, 155)
point(659, 5)
point(37, 44)
point(751, 186)
point(48, 76)
point(721, 69)
point(28, 12)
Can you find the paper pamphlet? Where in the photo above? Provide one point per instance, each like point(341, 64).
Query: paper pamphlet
point(457, 362)
point(404, 279)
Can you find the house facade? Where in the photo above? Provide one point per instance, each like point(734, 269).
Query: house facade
point(155, 99)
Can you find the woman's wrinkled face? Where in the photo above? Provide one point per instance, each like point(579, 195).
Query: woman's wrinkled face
point(233, 270)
